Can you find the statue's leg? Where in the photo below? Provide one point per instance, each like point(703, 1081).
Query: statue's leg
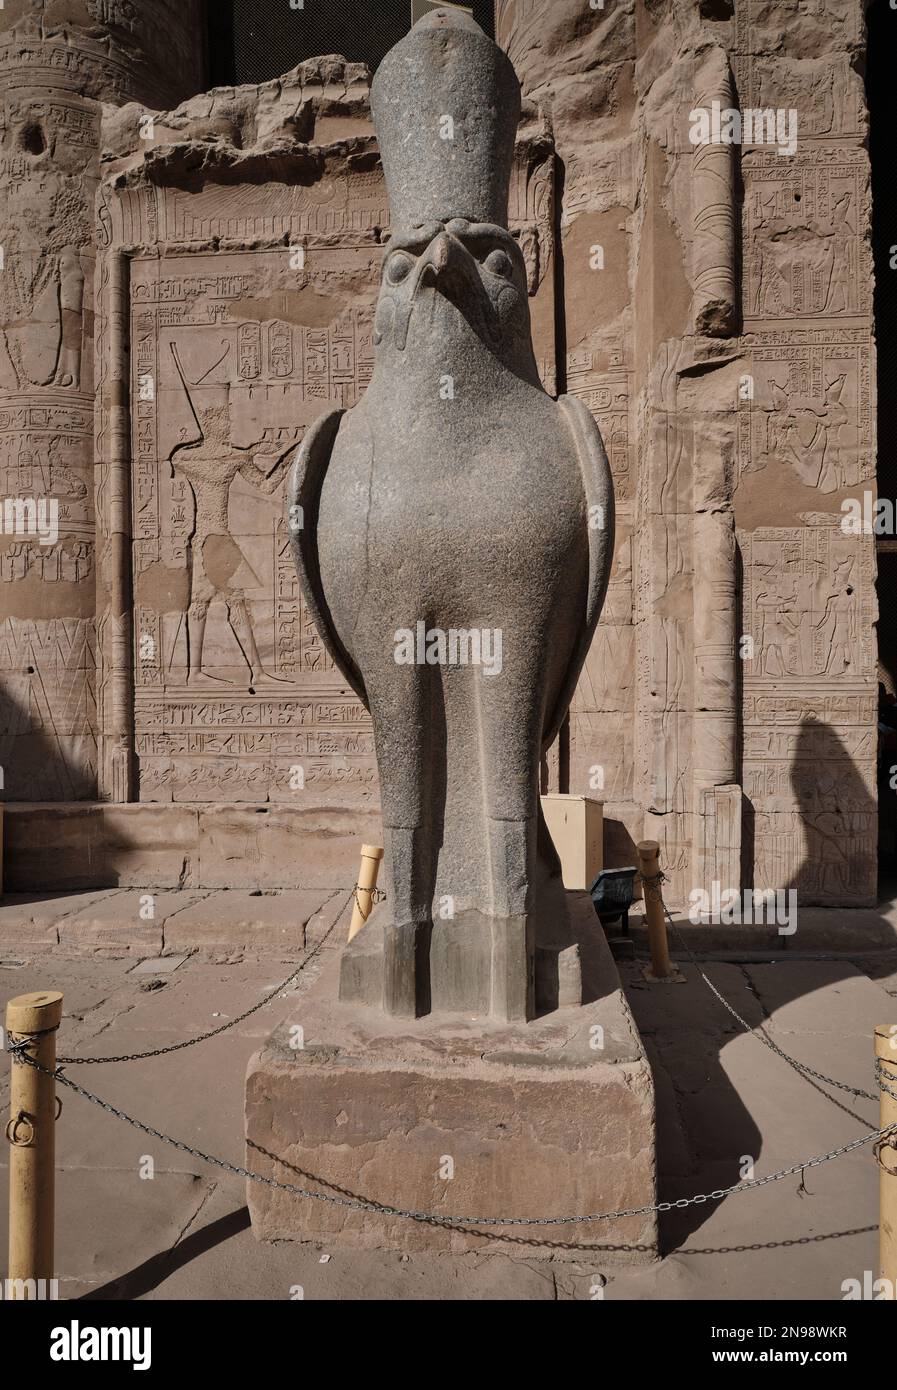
point(408, 750)
point(511, 733)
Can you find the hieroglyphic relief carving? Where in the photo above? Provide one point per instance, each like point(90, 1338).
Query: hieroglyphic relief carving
point(258, 349)
point(237, 343)
point(231, 395)
point(664, 607)
point(810, 407)
point(715, 641)
point(607, 395)
point(107, 50)
point(804, 420)
point(45, 233)
point(804, 226)
point(809, 771)
point(48, 600)
point(809, 739)
point(531, 218)
point(54, 69)
point(809, 601)
point(597, 178)
point(47, 713)
point(830, 102)
point(765, 26)
point(718, 836)
point(594, 224)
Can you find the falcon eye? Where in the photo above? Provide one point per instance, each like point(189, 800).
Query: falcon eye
point(398, 267)
point(499, 263)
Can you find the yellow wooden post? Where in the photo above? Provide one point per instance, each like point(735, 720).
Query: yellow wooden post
point(649, 864)
point(886, 1053)
point(364, 889)
point(32, 1142)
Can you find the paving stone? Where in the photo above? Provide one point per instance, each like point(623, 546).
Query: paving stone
point(232, 1263)
point(204, 996)
point(195, 1096)
point(131, 920)
point(110, 1220)
point(28, 921)
point(272, 922)
point(329, 926)
point(853, 1002)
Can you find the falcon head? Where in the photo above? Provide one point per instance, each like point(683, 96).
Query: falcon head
point(445, 281)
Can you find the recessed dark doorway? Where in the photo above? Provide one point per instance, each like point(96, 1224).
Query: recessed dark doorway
point(256, 40)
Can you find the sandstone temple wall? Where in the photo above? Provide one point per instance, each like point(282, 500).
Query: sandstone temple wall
point(729, 702)
point(183, 265)
point(58, 63)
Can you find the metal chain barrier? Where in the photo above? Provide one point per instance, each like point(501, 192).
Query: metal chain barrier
point(652, 886)
point(886, 1137)
point(377, 895)
point(436, 1218)
point(879, 1137)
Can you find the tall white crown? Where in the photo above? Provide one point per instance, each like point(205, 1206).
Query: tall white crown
point(446, 104)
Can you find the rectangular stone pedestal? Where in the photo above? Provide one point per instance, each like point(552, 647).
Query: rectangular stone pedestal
point(457, 1117)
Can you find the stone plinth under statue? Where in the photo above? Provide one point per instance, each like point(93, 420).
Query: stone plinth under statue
point(546, 1118)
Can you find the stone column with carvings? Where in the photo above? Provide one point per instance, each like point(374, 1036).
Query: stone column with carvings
point(715, 212)
point(58, 62)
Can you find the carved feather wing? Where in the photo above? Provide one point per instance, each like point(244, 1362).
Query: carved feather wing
point(303, 502)
point(599, 491)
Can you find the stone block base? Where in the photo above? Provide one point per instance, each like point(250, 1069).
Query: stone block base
point(458, 1117)
point(74, 846)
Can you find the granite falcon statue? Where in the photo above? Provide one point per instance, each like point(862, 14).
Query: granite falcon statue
point(455, 542)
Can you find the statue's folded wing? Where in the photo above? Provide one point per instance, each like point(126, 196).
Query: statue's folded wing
point(303, 502)
point(599, 491)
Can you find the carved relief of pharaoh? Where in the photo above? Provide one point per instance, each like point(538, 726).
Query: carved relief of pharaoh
point(453, 535)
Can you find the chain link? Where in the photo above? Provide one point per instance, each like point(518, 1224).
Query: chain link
point(377, 895)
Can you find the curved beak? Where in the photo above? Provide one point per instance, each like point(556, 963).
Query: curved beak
point(444, 251)
point(449, 267)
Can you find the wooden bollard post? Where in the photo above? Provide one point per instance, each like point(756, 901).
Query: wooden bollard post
point(886, 1053)
point(649, 864)
point(32, 1142)
point(364, 889)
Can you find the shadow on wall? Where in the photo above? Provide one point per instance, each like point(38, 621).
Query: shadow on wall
point(837, 811)
point(37, 762)
point(705, 1131)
